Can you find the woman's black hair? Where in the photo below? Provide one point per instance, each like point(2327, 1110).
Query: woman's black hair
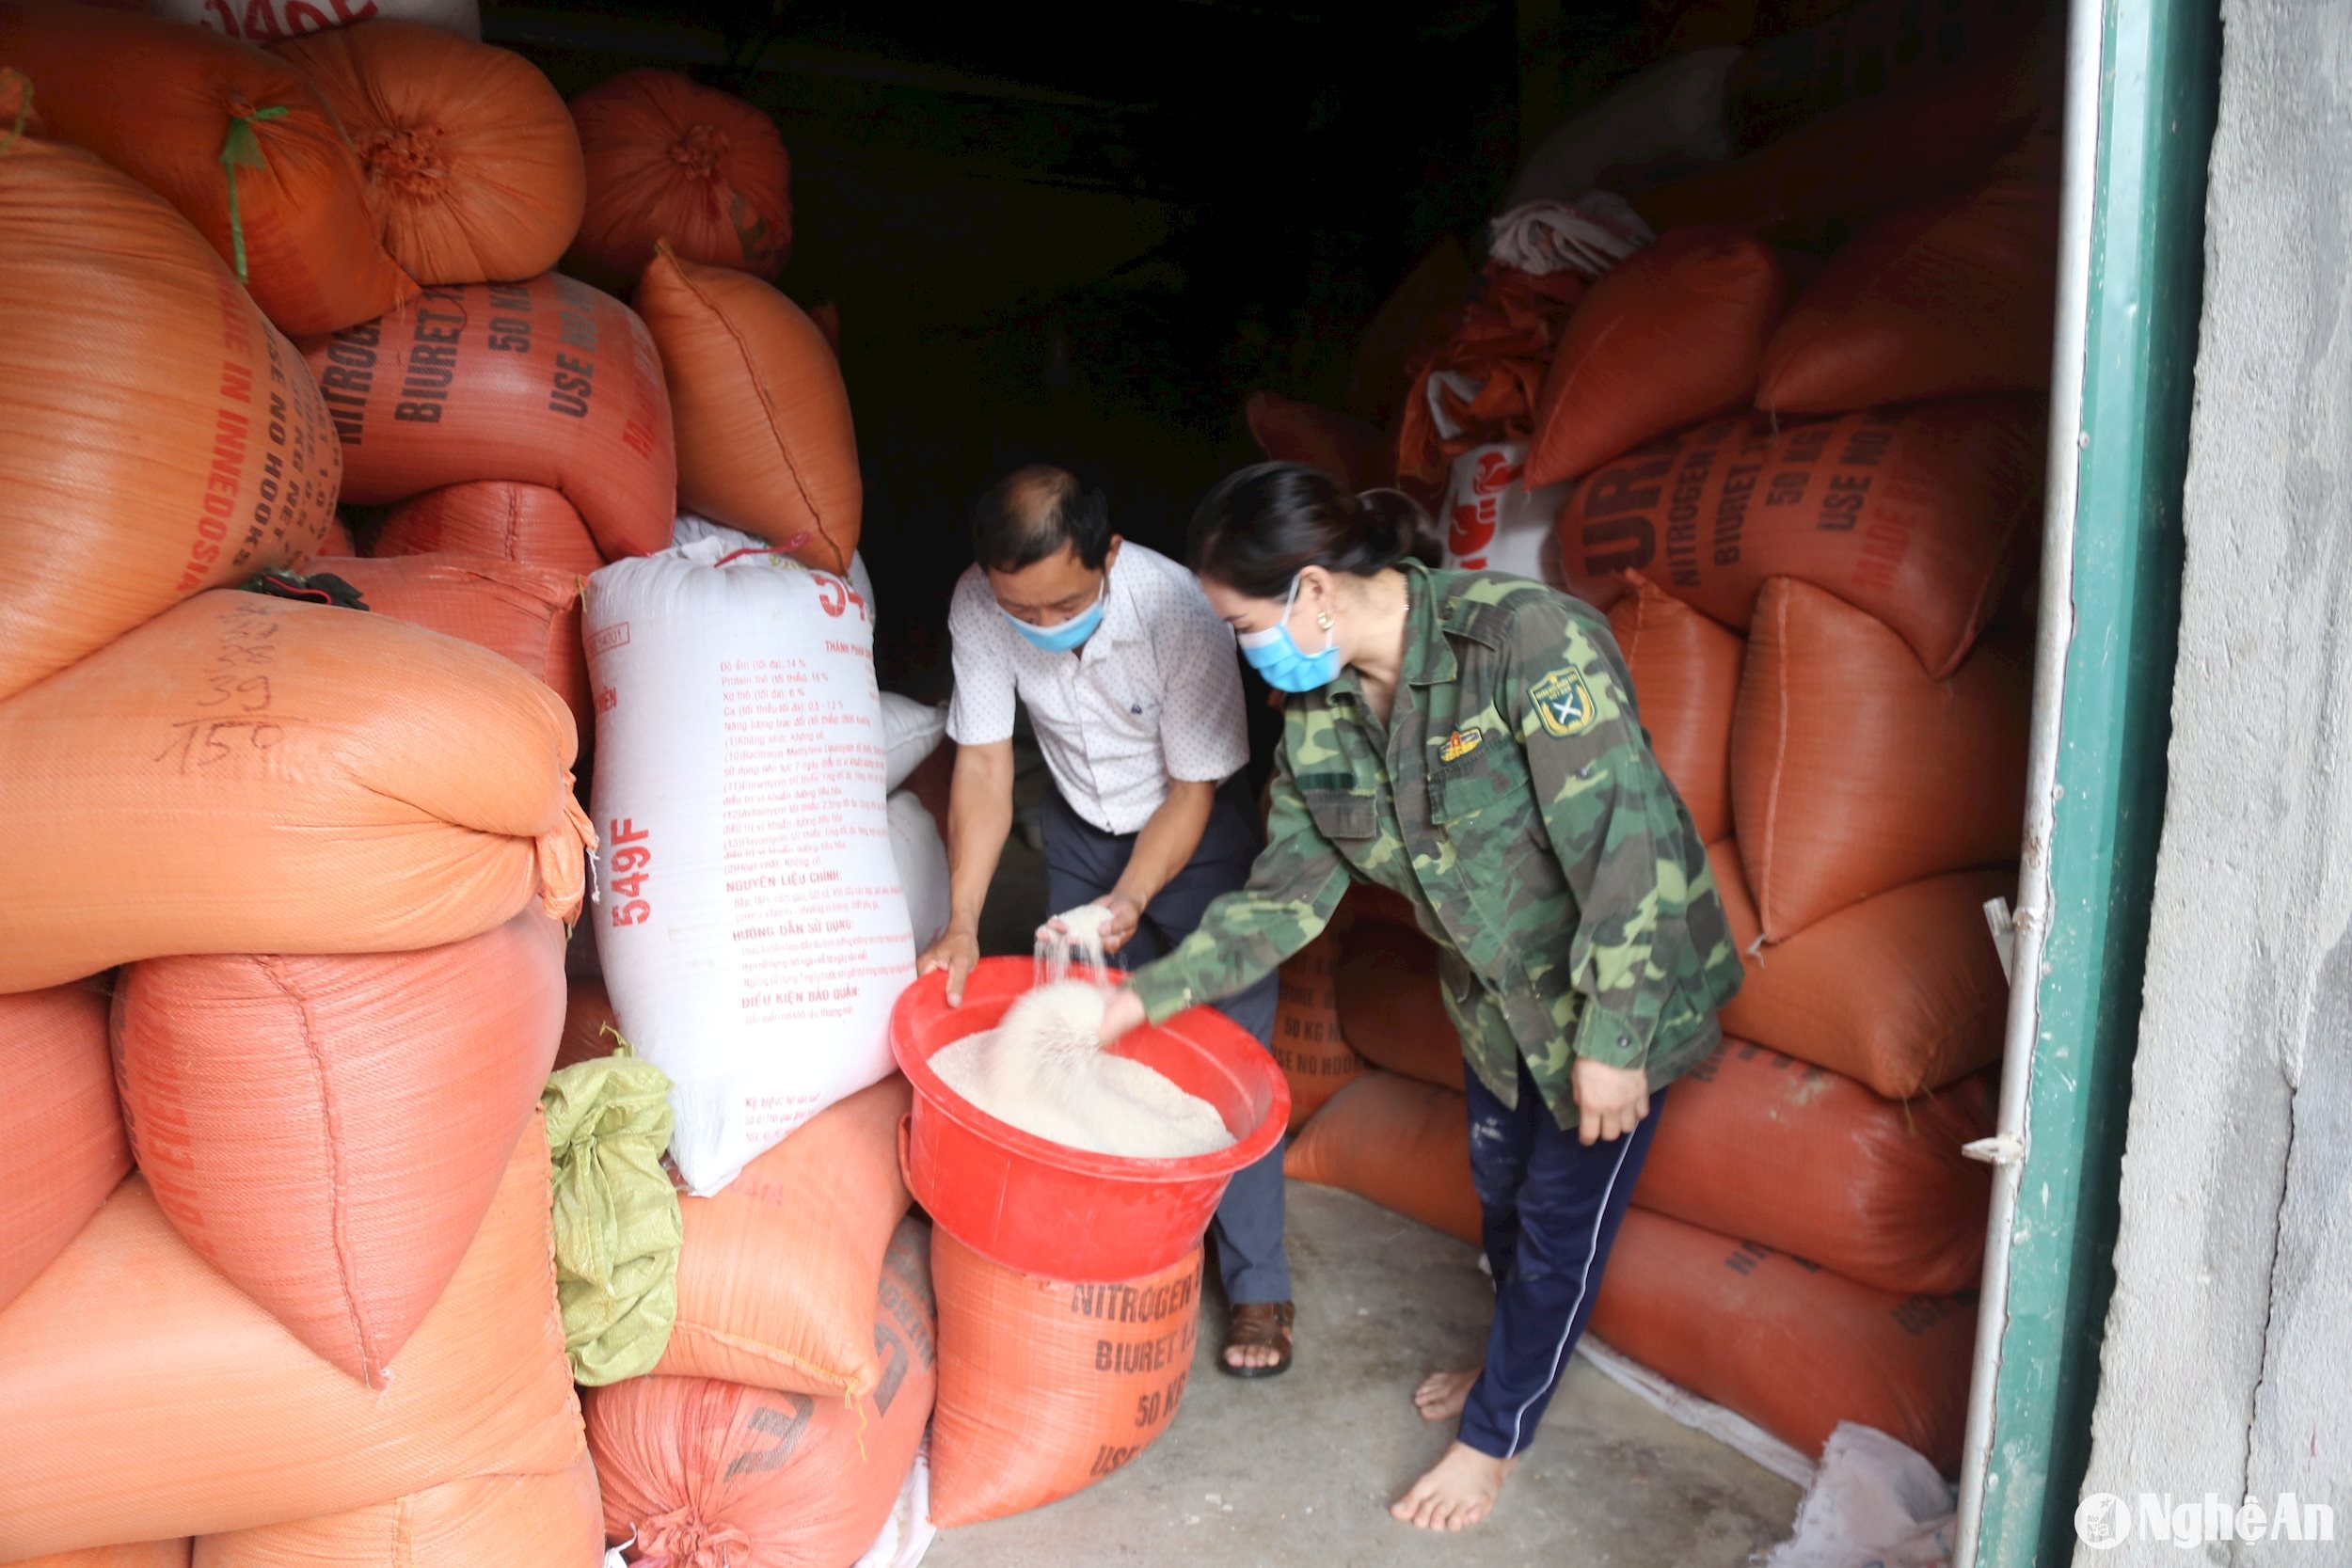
point(1260, 527)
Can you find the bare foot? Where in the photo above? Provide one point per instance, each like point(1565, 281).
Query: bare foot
point(1459, 1491)
point(1441, 1394)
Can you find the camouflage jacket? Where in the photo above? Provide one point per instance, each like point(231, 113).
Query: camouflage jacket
point(1513, 797)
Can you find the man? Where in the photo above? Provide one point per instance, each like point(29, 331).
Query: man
point(1135, 693)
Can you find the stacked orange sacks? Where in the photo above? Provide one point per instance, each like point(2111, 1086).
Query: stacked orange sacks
point(242, 1427)
point(530, 525)
point(693, 1464)
point(781, 1422)
point(1859, 776)
point(62, 1146)
point(229, 135)
point(324, 855)
point(1396, 1132)
point(472, 167)
point(670, 159)
point(1309, 1045)
point(545, 382)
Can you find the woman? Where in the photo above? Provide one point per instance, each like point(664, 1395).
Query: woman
point(1469, 741)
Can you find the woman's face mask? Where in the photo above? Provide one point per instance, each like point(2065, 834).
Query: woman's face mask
point(1277, 656)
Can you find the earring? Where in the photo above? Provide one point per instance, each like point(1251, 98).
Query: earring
point(1323, 620)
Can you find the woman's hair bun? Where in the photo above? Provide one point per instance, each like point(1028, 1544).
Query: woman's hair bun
point(1260, 527)
point(1395, 527)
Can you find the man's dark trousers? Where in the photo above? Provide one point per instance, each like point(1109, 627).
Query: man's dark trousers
point(1084, 864)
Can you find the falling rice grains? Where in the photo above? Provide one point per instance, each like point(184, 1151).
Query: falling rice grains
point(1044, 1072)
point(1072, 940)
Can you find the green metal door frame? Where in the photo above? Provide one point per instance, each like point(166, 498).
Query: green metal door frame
point(2142, 78)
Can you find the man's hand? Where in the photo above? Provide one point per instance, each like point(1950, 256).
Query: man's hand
point(1611, 1101)
point(1121, 1016)
point(956, 953)
point(1126, 913)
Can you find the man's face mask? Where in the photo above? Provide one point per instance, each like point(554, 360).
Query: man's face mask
point(1071, 633)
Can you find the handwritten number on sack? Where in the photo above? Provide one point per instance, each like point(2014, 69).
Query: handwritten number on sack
point(203, 742)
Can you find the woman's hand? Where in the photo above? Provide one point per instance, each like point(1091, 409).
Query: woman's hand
point(1611, 1101)
point(1122, 1014)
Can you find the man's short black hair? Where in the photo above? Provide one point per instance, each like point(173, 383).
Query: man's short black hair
point(1032, 512)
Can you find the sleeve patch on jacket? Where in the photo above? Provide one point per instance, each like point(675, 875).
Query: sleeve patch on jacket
point(1564, 703)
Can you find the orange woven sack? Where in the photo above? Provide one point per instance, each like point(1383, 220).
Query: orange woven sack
point(484, 1522)
point(527, 524)
point(528, 615)
point(548, 382)
point(239, 1425)
point(1910, 514)
point(587, 1017)
point(1935, 132)
point(328, 1132)
point(1903, 991)
point(243, 775)
point(1412, 322)
point(1359, 456)
point(1806, 1161)
point(669, 159)
point(145, 1554)
point(1812, 57)
point(231, 135)
point(1854, 772)
point(1309, 1046)
point(1686, 687)
point(702, 1471)
point(62, 1147)
point(1785, 1342)
point(162, 437)
point(1391, 1003)
point(474, 169)
point(763, 439)
point(1481, 383)
point(1401, 1143)
point(1949, 296)
point(828, 319)
point(1667, 338)
point(776, 1283)
point(1046, 1387)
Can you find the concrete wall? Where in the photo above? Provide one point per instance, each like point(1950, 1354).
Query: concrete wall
point(2228, 1364)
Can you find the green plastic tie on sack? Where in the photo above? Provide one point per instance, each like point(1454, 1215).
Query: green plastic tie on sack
point(24, 118)
point(242, 149)
point(618, 1228)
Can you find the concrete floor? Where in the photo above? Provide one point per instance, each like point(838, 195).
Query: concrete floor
point(1297, 1472)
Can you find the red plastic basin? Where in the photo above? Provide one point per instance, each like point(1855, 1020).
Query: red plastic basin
point(1065, 1213)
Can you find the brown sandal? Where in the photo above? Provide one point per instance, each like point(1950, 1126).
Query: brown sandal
point(1258, 1325)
